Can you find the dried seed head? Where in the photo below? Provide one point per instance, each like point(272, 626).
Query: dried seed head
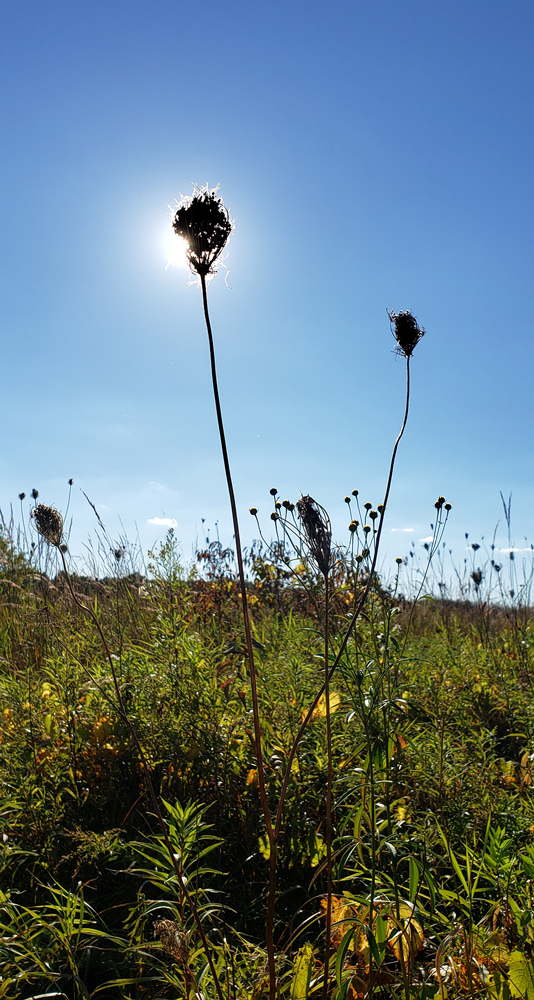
point(406, 331)
point(273, 491)
point(22, 496)
point(202, 220)
point(49, 523)
point(398, 560)
point(253, 511)
point(317, 531)
point(173, 940)
point(355, 493)
point(448, 506)
point(353, 526)
point(35, 494)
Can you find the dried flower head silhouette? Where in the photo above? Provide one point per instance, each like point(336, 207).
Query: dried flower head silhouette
point(317, 530)
point(49, 523)
point(203, 222)
point(406, 331)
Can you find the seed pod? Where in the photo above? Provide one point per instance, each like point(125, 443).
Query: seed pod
point(49, 523)
point(317, 531)
point(173, 940)
point(406, 331)
point(202, 220)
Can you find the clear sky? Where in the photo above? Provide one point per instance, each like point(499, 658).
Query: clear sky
point(375, 155)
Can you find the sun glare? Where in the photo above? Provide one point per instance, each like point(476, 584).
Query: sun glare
point(175, 248)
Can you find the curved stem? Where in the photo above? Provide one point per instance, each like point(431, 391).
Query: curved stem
point(250, 652)
point(357, 611)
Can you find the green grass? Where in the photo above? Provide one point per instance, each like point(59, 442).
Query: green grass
point(433, 822)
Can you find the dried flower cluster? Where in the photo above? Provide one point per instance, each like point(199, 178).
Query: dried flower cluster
point(49, 523)
point(406, 331)
point(317, 531)
point(202, 220)
point(173, 940)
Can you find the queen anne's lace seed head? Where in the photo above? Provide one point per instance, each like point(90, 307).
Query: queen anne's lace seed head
point(406, 331)
point(49, 523)
point(202, 221)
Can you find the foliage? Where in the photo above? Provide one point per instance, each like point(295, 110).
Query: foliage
point(432, 747)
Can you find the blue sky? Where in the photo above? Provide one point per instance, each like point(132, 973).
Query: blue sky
point(374, 156)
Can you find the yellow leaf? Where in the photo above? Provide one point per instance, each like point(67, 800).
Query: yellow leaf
point(302, 970)
point(252, 778)
point(264, 846)
point(319, 711)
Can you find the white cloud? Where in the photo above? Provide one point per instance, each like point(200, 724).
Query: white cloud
point(166, 522)
point(514, 549)
point(408, 530)
point(427, 540)
point(158, 486)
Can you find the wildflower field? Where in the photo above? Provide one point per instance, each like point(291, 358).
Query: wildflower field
point(271, 774)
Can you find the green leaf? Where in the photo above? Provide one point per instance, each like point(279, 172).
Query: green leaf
point(342, 954)
point(371, 941)
point(414, 879)
point(316, 848)
point(520, 976)
point(302, 970)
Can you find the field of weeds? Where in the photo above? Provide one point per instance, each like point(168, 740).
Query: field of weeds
point(430, 819)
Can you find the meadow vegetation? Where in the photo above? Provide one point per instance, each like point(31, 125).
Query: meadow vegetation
point(432, 741)
point(272, 775)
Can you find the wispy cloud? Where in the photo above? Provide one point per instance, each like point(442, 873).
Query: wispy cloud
point(429, 538)
point(407, 530)
point(165, 522)
point(157, 486)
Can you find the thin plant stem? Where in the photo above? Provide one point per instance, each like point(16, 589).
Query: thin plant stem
point(184, 892)
point(356, 614)
point(329, 779)
point(250, 654)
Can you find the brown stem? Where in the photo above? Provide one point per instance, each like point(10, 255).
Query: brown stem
point(250, 654)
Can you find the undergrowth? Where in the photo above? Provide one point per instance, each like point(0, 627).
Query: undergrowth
point(432, 744)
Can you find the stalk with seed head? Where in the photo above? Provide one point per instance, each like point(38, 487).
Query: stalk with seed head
point(204, 224)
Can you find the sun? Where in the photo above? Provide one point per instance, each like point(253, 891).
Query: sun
point(175, 249)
